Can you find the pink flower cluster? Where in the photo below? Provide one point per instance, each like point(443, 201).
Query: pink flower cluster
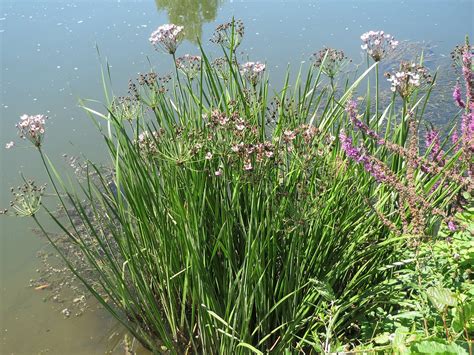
point(252, 71)
point(32, 128)
point(167, 37)
point(408, 78)
point(378, 44)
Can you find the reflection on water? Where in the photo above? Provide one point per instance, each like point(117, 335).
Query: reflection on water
point(191, 14)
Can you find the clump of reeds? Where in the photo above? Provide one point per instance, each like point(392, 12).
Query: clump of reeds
point(234, 222)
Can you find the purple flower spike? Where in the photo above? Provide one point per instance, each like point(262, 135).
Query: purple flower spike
point(351, 109)
point(452, 226)
point(457, 96)
point(359, 155)
point(432, 140)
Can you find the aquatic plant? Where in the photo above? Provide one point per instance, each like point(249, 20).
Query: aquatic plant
point(330, 60)
point(378, 44)
point(190, 65)
point(32, 128)
point(167, 37)
point(233, 222)
point(27, 199)
point(252, 71)
point(407, 78)
point(229, 34)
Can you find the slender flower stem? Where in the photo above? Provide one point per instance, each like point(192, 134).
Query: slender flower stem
point(183, 99)
point(376, 95)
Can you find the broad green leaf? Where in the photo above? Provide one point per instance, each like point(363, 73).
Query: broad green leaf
point(324, 289)
point(437, 347)
point(464, 315)
point(383, 338)
point(441, 297)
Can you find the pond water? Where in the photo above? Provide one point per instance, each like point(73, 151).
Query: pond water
point(49, 60)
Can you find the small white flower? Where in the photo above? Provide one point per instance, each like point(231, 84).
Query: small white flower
point(9, 145)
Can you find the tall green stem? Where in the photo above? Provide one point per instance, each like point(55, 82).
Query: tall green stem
point(183, 99)
point(377, 95)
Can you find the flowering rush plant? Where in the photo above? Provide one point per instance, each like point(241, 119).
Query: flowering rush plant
point(32, 128)
point(167, 37)
point(330, 60)
point(378, 44)
point(407, 78)
point(229, 34)
point(190, 65)
point(253, 72)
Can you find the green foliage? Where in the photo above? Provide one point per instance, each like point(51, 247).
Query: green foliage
point(226, 227)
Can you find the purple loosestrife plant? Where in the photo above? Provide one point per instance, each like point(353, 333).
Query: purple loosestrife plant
point(457, 96)
point(462, 57)
point(467, 73)
point(351, 109)
point(432, 140)
point(360, 155)
point(409, 194)
point(378, 44)
point(167, 38)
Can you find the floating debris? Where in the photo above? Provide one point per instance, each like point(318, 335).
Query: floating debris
point(66, 312)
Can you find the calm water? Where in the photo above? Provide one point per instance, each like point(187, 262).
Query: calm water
point(49, 60)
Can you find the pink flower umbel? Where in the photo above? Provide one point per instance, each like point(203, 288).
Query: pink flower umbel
point(32, 128)
point(408, 77)
point(378, 44)
point(167, 37)
point(248, 166)
point(253, 72)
